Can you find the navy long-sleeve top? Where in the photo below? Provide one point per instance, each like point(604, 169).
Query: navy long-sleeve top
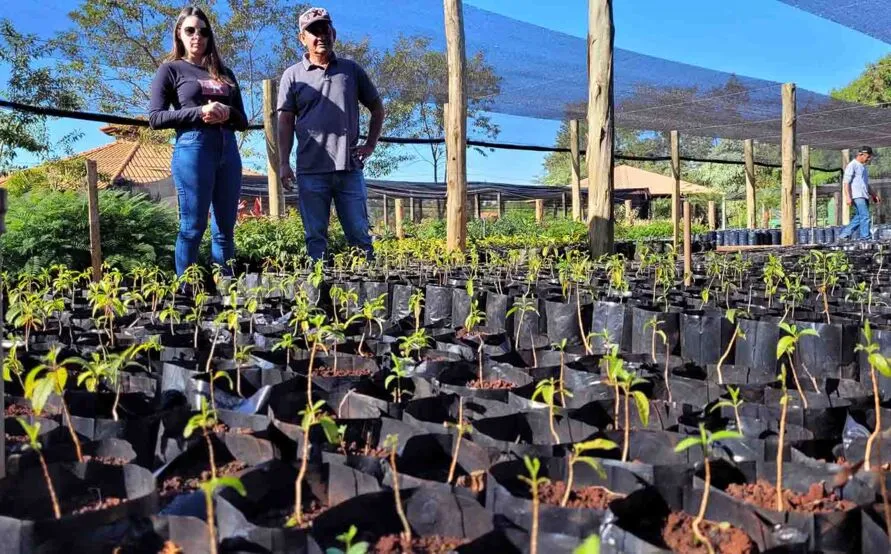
point(187, 87)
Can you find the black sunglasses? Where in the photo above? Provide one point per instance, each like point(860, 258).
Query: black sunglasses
point(204, 31)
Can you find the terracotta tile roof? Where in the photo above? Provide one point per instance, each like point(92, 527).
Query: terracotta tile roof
point(126, 162)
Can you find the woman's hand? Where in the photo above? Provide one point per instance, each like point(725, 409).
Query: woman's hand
point(214, 112)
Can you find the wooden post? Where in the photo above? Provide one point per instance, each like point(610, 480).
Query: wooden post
point(749, 153)
point(575, 164)
point(386, 212)
point(843, 208)
point(439, 211)
point(600, 126)
point(805, 201)
point(411, 209)
point(629, 211)
point(723, 211)
point(500, 205)
point(712, 216)
point(813, 208)
point(688, 246)
point(400, 213)
point(563, 204)
point(539, 210)
point(676, 191)
point(837, 199)
point(93, 205)
point(787, 198)
point(765, 216)
point(270, 129)
point(456, 127)
point(477, 211)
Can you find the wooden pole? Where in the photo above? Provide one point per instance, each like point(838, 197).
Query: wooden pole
point(539, 210)
point(270, 129)
point(805, 201)
point(456, 127)
point(629, 211)
point(563, 204)
point(723, 211)
point(837, 200)
point(749, 153)
point(765, 216)
point(688, 246)
point(843, 208)
point(386, 214)
point(400, 214)
point(712, 216)
point(787, 198)
point(93, 205)
point(477, 210)
point(500, 205)
point(575, 164)
point(601, 35)
point(411, 209)
point(676, 191)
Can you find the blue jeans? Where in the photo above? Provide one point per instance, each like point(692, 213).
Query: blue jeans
point(315, 192)
point(206, 169)
point(861, 219)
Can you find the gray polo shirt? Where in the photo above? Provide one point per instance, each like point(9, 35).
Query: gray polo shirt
point(858, 175)
point(325, 103)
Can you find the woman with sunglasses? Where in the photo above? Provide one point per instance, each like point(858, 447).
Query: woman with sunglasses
point(207, 109)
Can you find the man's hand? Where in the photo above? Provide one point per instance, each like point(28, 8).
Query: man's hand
point(363, 152)
point(849, 201)
point(876, 199)
point(287, 176)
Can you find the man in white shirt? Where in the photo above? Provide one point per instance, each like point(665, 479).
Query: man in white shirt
point(856, 185)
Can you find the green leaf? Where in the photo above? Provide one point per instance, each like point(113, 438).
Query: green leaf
point(724, 435)
point(388, 380)
point(880, 363)
point(594, 464)
point(643, 407)
point(785, 346)
point(595, 444)
point(195, 422)
point(41, 394)
point(330, 429)
point(689, 442)
point(591, 545)
point(225, 482)
point(809, 333)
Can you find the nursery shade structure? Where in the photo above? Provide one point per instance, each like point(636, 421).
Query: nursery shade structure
point(870, 17)
point(651, 93)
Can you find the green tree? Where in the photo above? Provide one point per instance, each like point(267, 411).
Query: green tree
point(30, 82)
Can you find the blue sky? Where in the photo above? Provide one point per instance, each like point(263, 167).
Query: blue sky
point(759, 38)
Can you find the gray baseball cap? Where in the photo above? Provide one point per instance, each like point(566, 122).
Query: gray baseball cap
point(312, 15)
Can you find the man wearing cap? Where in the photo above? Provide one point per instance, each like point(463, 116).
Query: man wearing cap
point(318, 101)
point(856, 184)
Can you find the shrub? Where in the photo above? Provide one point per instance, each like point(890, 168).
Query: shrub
point(48, 227)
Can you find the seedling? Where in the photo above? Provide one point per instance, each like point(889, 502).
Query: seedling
point(347, 540)
point(773, 273)
point(591, 545)
point(561, 348)
point(205, 420)
point(286, 343)
point(533, 466)
point(33, 432)
point(209, 487)
point(859, 294)
point(523, 305)
point(26, 311)
point(170, 313)
point(656, 331)
point(391, 442)
point(735, 402)
point(13, 366)
point(547, 390)
point(398, 372)
point(370, 312)
point(312, 415)
point(578, 455)
point(462, 427)
point(242, 356)
point(416, 304)
point(786, 347)
point(613, 366)
point(316, 332)
point(50, 377)
point(784, 407)
point(877, 362)
point(705, 440)
point(732, 315)
point(195, 315)
point(627, 380)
